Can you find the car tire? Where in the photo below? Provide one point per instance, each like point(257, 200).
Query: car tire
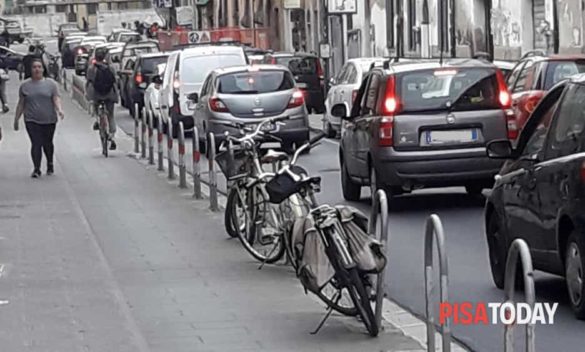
point(575, 274)
point(351, 191)
point(497, 250)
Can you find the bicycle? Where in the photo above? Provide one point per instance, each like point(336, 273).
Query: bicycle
point(104, 127)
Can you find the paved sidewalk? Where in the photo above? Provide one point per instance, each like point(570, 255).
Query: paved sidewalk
point(107, 255)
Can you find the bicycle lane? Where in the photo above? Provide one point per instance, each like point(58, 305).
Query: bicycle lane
point(174, 282)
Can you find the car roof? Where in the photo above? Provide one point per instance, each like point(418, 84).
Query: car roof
point(92, 38)
point(144, 43)
point(291, 54)
point(210, 50)
point(418, 65)
point(129, 33)
point(249, 68)
point(150, 55)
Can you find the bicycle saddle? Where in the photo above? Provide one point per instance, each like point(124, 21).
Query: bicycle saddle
point(273, 156)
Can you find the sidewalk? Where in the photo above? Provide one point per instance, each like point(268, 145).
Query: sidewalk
point(106, 255)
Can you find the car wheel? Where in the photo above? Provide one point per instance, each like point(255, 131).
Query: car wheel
point(575, 274)
point(351, 191)
point(474, 189)
point(497, 251)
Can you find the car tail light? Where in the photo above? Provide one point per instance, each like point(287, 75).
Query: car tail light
point(582, 172)
point(176, 82)
point(531, 101)
point(386, 131)
point(79, 51)
point(138, 78)
point(511, 124)
point(391, 101)
point(504, 97)
point(215, 104)
point(354, 95)
point(297, 99)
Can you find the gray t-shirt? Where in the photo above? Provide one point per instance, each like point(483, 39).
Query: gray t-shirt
point(38, 100)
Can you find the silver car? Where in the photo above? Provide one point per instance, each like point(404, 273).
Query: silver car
point(250, 94)
point(343, 89)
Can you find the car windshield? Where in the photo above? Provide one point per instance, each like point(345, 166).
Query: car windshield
point(559, 70)
point(149, 65)
point(196, 68)
point(458, 89)
point(128, 37)
point(143, 49)
point(255, 82)
point(299, 65)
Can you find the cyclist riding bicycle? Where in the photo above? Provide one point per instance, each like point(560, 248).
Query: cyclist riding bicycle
point(101, 87)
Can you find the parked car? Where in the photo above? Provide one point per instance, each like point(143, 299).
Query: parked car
point(82, 58)
point(127, 37)
point(134, 82)
point(85, 61)
point(113, 57)
point(307, 69)
point(187, 69)
point(16, 32)
point(68, 52)
point(86, 44)
point(10, 59)
point(131, 50)
point(250, 94)
point(539, 195)
point(113, 37)
point(63, 30)
point(424, 124)
point(344, 88)
point(505, 66)
point(534, 75)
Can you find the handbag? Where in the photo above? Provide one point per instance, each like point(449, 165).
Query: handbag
point(4, 75)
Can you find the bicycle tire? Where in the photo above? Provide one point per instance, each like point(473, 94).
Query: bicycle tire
point(248, 235)
point(361, 300)
point(348, 311)
point(229, 216)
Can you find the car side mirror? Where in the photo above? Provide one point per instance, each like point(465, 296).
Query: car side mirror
point(339, 110)
point(194, 97)
point(500, 149)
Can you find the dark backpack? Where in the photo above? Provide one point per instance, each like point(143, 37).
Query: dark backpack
point(104, 80)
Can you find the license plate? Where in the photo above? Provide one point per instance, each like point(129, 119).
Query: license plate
point(450, 136)
point(269, 127)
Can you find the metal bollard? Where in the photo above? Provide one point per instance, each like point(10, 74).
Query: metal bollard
point(182, 167)
point(150, 138)
point(64, 79)
point(143, 134)
point(136, 130)
point(519, 248)
point(159, 138)
point(196, 165)
point(170, 149)
point(380, 206)
point(212, 174)
point(434, 230)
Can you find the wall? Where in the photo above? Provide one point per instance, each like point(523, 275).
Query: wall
point(570, 26)
point(42, 24)
point(508, 36)
point(108, 20)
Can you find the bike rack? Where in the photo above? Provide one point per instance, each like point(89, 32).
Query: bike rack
point(159, 139)
point(170, 149)
point(182, 168)
point(379, 212)
point(434, 230)
point(136, 130)
point(212, 173)
point(519, 248)
point(196, 165)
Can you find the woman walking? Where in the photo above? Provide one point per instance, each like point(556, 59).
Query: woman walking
point(40, 102)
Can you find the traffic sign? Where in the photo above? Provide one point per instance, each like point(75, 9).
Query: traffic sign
point(199, 37)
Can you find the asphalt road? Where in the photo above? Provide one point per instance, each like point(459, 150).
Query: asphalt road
point(469, 279)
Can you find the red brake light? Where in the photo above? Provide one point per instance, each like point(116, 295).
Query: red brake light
point(532, 101)
point(296, 100)
point(176, 82)
point(503, 94)
point(583, 172)
point(391, 102)
point(386, 132)
point(138, 78)
point(354, 95)
point(79, 51)
point(511, 124)
point(215, 104)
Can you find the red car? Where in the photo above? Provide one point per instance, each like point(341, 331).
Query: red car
point(534, 75)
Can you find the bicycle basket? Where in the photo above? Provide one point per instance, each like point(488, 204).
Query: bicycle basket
point(234, 165)
point(283, 186)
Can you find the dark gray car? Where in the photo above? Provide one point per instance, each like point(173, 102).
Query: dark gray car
point(250, 94)
point(424, 124)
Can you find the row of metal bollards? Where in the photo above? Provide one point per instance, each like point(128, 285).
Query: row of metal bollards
point(144, 146)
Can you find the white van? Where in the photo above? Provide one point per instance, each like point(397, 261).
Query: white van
point(185, 73)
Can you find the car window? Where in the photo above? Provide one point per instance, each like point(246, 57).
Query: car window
point(129, 65)
point(514, 75)
point(460, 89)
point(536, 141)
point(342, 74)
point(569, 124)
point(559, 70)
point(299, 65)
point(351, 77)
point(196, 68)
point(256, 82)
point(371, 95)
point(150, 64)
point(206, 85)
point(525, 78)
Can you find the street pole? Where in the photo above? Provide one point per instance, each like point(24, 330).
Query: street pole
point(425, 32)
point(252, 22)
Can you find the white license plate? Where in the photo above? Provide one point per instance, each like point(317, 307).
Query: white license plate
point(450, 136)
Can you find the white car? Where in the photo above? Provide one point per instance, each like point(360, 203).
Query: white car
point(344, 88)
point(187, 69)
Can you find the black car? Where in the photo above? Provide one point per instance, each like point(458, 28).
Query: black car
point(10, 59)
point(68, 52)
point(308, 72)
point(135, 82)
point(539, 194)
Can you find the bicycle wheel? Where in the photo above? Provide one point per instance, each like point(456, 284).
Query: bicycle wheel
point(234, 217)
point(361, 299)
point(261, 235)
point(344, 304)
